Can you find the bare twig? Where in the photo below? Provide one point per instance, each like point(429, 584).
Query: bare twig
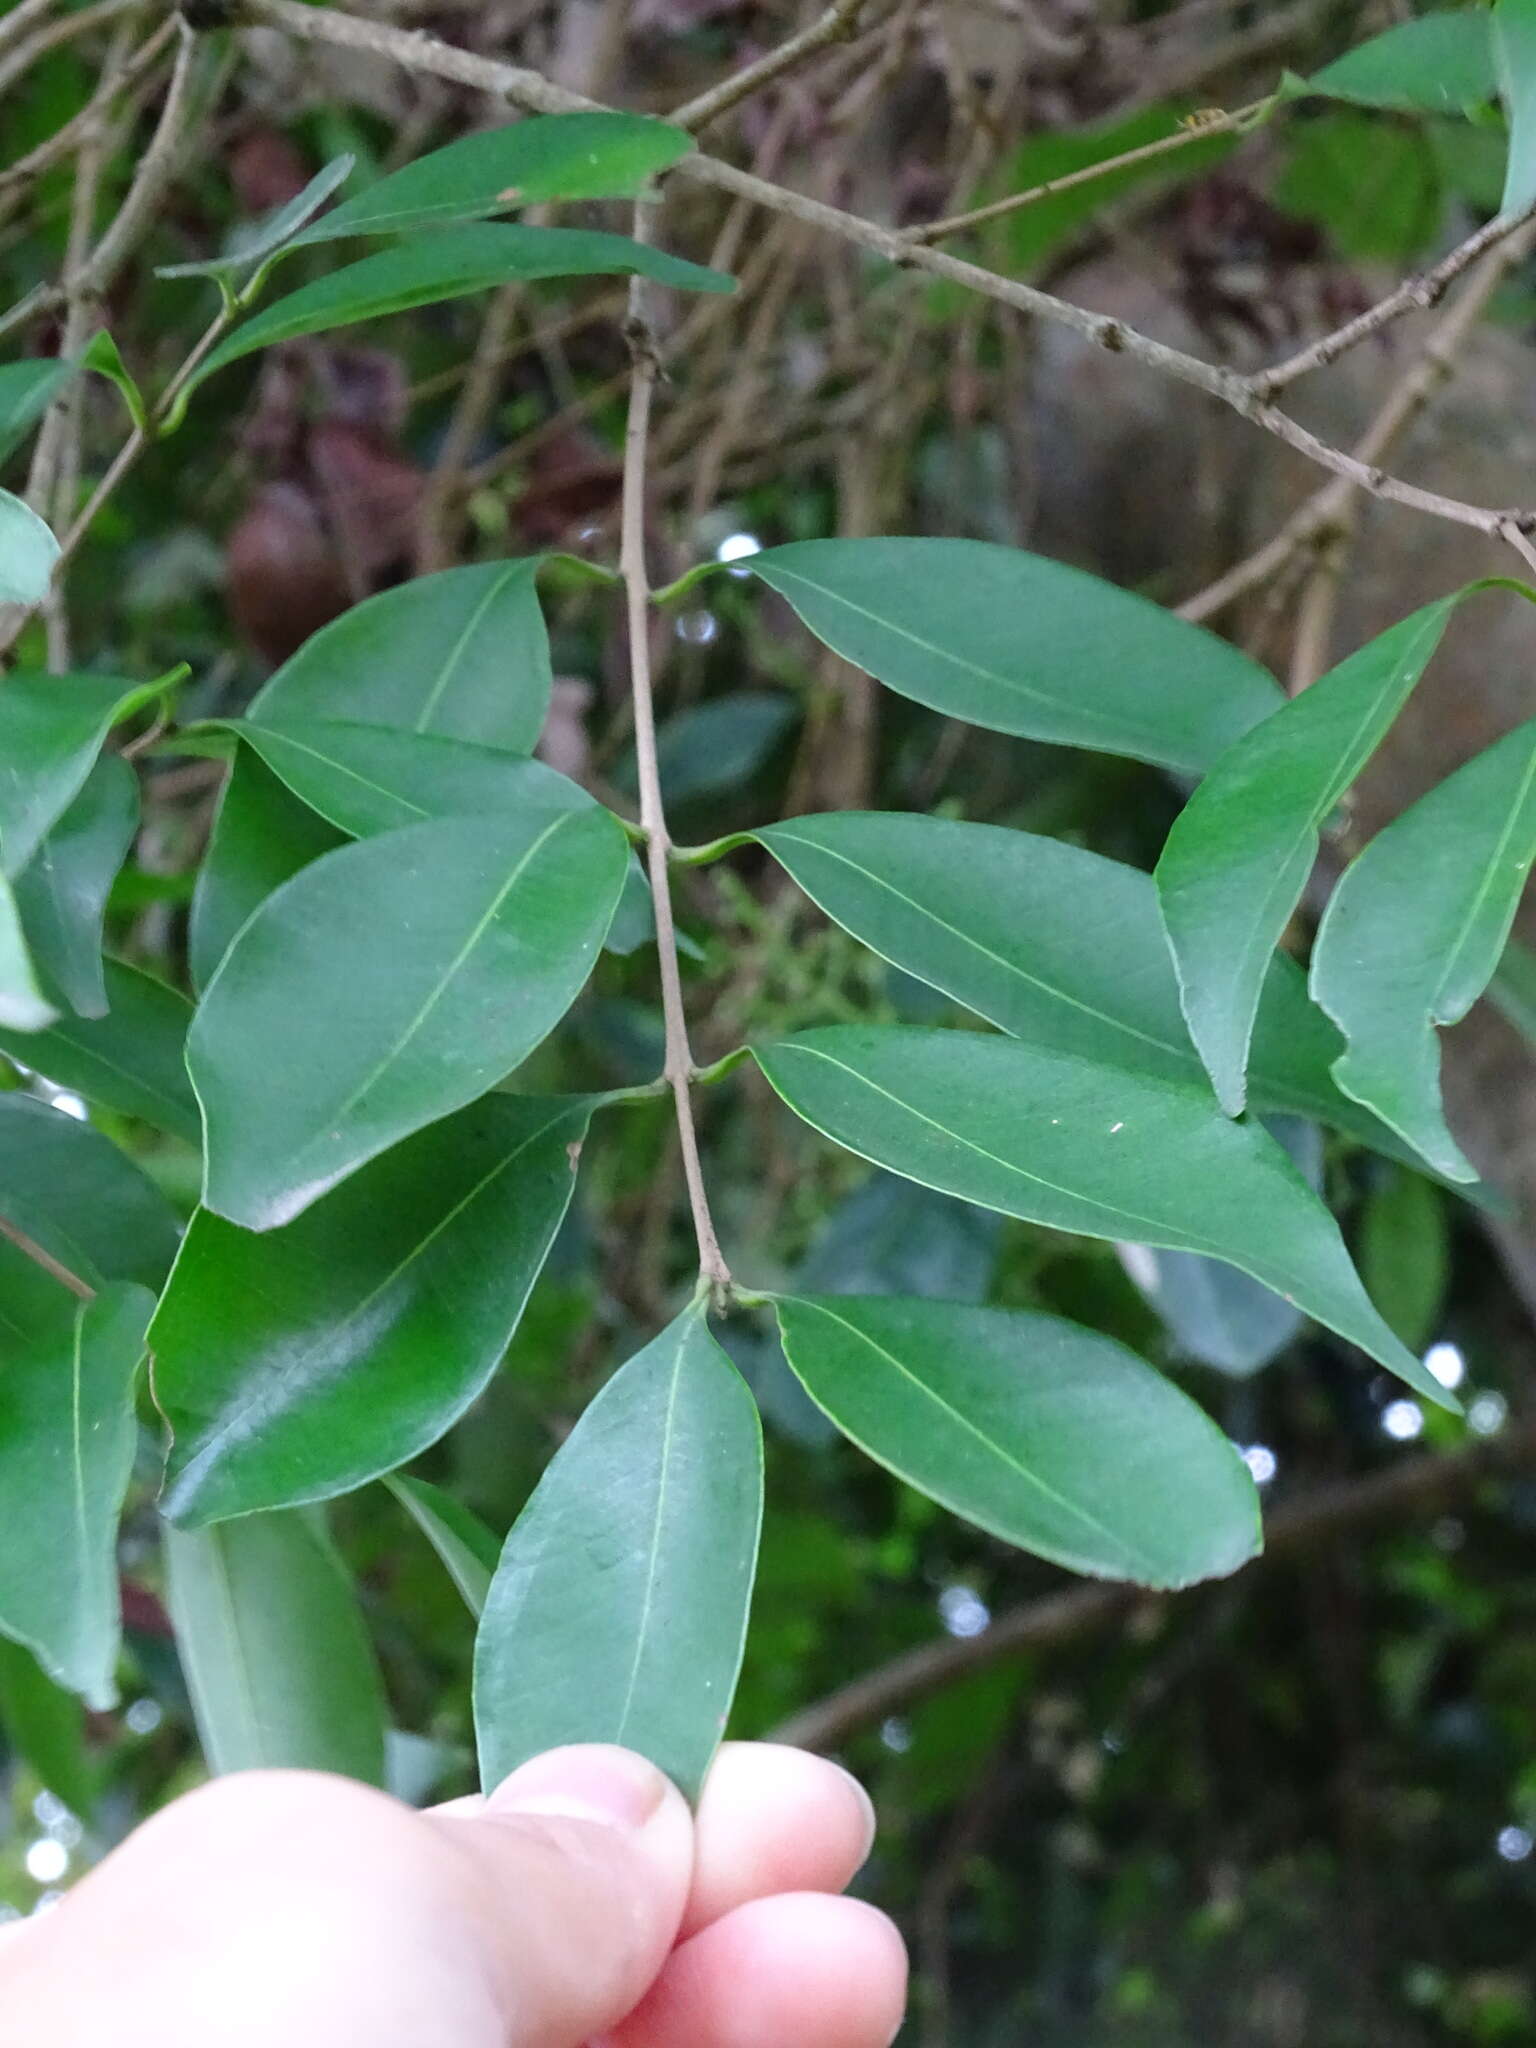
point(55, 1268)
point(63, 31)
point(833, 25)
point(26, 168)
point(156, 168)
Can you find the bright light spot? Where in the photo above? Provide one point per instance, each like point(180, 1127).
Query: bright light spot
point(1115, 1127)
point(72, 1105)
point(1515, 1844)
point(48, 1810)
point(961, 1612)
point(1487, 1415)
point(47, 1860)
point(1261, 1462)
point(896, 1735)
point(698, 628)
point(1403, 1420)
point(144, 1717)
point(1446, 1363)
point(1139, 1262)
point(737, 546)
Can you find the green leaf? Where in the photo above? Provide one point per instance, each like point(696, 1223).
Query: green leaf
point(1373, 185)
point(1439, 64)
point(253, 245)
point(45, 1726)
point(1414, 932)
point(277, 1660)
point(462, 653)
point(51, 730)
point(303, 1362)
point(1023, 645)
point(27, 389)
point(1075, 1145)
point(1512, 990)
point(619, 1608)
point(104, 357)
point(1051, 943)
point(1405, 1254)
point(28, 552)
point(389, 983)
point(67, 1434)
point(131, 1060)
point(1240, 852)
point(1514, 51)
point(62, 893)
point(468, 1549)
point(717, 746)
point(448, 265)
point(24, 1008)
point(72, 1191)
point(1050, 1436)
point(262, 837)
point(523, 163)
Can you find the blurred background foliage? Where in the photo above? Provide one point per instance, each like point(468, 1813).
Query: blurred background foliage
point(1294, 1808)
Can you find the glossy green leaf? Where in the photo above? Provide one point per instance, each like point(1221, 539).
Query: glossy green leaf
point(277, 1660)
point(448, 265)
point(469, 1551)
point(73, 1192)
point(62, 892)
point(253, 245)
point(389, 983)
point(1514, 51)
point(67, 1434)
point(1051, 943)
point(1414, 931)
point(462, 653)
point(262, 837)
point(1239, 854)
point(27, 389)
point(45, 1726)
point(305, 1361)
point(1076, 1145)
point(1405, 1254)
point(28, 552)
point(524, 163)
point(51, 730)
point(24, 1008)
point(1020, 644)
point(131, 1060)
point(1050, 1436)
point(1441, 63)
point(619, 1608)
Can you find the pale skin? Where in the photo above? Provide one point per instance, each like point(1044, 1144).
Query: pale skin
point(580, 1906)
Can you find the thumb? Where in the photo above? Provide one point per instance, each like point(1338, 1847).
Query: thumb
point(582, 1862)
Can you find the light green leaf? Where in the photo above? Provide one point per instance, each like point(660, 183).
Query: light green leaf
point(448, 265)
point(51, 730)
point(391, 982)
point(1414, 931)
point(468, 1549)
point(67, 1435)
point(1239, 854)
point(1045, 1434)
point(104, 357)
point(1405, 1254)
point(255, 243)
point(1023, 645)
point(262, 836)
point(523, 163)
point(73, 1192)
point(62, 892)
point(27, 389)
point(45, 1726)
point(1078, 1146)
point(1514, 50)
point(28, 552)
point(619, 1608)
point(462, 653)
point(23, 1006)
point(131, 1060)
point(278, 1662)
point(306, 1361)
point(1439, 64)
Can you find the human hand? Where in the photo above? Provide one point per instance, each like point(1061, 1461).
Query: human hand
point(581, 1903)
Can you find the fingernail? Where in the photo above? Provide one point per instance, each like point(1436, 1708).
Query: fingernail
point(592, 1782)
point(867, 1808)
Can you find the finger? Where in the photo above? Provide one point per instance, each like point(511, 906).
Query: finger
point(801, 1968)
point(773, 1819)
point(583, 1860)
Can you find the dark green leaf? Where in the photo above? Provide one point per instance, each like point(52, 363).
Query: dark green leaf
point(1415, 930)
point(892, 1236)
point(277, 1660)
point(131, 1060)
point(462, 653)
point(389, 983)
point(72, 1191)
point(1373, 185)
point(1440, 64)
point(51, 730)
point(67, 1435)
point(1020, 644)
point(28, 552)
point(524, 163)
point(716, 746)
point(1405, 1254)
point(448, 265)
point(1048, 1435)
point(1514, 52)
point(619, 1607)
point(46, 1727)
point(62, 893)
point(24, 1008)
point(1069, 1143)
point(303, 1362)
point(262, 836)
point(1240, 852)
point(468, 1549)
point(27, 390)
